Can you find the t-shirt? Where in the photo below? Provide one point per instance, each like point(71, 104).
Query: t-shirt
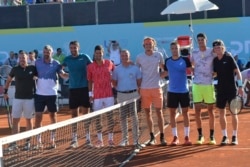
point(177, 75)
point(126, 77)
point(47, 83)
point(24, 82)
point(100, 75)
point(77, 67)
point(225, 74)
point(245, 75)
point(115, 56)
point(150, 68)
point(203, 66)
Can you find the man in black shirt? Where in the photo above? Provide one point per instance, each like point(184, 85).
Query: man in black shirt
point(226, 67)
point(23, 102)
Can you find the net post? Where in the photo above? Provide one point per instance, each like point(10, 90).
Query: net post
point(1, 154)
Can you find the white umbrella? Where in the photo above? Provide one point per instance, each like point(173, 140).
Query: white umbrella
point(189, 6)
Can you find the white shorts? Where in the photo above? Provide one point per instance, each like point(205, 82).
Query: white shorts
point(23, 107)
point(103, 103)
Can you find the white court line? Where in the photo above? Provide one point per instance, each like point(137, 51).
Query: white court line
point(234, 149)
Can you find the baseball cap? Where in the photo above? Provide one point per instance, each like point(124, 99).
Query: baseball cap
point(218, 42)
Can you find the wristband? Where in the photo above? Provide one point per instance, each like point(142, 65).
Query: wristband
point(5, 91)
point(90, 93)
point(239, 82)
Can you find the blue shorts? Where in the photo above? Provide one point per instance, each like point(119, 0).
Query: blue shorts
point(42, 100)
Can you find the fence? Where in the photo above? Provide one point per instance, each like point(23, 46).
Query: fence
point(107, 12)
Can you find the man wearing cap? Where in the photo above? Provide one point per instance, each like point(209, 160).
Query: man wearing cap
point(225, 68)
point(202, 88)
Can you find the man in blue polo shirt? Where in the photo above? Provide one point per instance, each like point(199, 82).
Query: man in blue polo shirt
point(46, 92)
point(127, 79)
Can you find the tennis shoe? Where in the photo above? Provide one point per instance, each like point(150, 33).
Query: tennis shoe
point(74, 144)
point(234, 140)
point(212, 141)
point(163, 142)
point(224, 141)
point(26, 146)
point(99, 144)
point(88, 143)
point(200, 140)
point(52, 146)
point(38, 146)
point(139, 145)
point(111, 143)
point(175, 141)
point(187, 141)
point(151, 142)
point(124, 143)
point(12, 146)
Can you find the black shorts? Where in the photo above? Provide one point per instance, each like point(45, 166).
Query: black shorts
point(42, 100)
point(174, 99)
point(222, 99)
point(79, 97)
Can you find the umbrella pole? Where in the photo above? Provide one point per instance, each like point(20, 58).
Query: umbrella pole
point(191, 30)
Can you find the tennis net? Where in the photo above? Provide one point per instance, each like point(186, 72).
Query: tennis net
point(34, 147)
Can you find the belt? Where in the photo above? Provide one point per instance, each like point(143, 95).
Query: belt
point(129, 91)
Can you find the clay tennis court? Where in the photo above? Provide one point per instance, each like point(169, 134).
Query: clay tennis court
point(203, 155)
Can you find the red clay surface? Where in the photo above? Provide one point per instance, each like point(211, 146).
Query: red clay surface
point(195, 156)
point(199, 155)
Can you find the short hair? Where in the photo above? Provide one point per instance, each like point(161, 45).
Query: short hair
point(201, 35)
point(125, 50)
point(48, 47)
point(74, 43)
point(174, 43)
point(99, 47)
point(21, 52)
point(150, 38)
point(32, 52)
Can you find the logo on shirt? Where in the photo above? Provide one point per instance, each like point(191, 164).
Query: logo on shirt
point(224, 62)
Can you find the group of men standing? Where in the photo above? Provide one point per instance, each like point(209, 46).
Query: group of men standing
point(93, 82)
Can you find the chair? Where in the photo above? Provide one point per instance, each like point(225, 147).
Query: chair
point(63, 93)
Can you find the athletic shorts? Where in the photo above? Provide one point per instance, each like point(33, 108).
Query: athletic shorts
point(101, 103)
point(41, 101)
point(174, 99)
point(203, 93)
point(223, 99)
point(79, 97)
point(23, 107)
point(152, 96)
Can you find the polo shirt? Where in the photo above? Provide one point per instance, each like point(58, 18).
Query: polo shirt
point(77, 67)
point(47, 83)
point(24, 81)
point(100, 75)
point(126, 77)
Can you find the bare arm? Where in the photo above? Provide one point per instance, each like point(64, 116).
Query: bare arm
point(239, 81)
point(6, 87)
point(114, 83)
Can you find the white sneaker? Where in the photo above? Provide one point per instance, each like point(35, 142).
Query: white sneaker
point(124, 143)
point(74, 144)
